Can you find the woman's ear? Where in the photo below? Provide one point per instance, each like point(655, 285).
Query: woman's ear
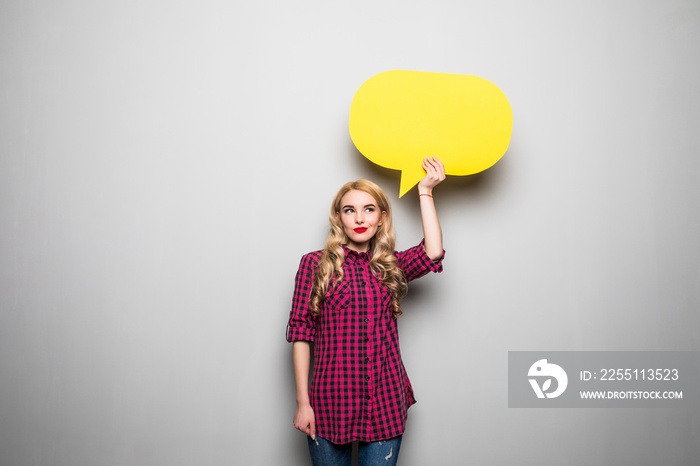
point(381, 221)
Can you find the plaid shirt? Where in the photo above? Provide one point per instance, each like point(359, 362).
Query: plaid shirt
point(360, 389)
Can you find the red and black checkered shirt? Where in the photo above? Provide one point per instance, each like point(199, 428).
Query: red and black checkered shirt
point(359, 389)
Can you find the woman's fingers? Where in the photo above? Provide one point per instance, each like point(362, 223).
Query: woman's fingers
point(312, 430)
point(305, 421)
point(429, 167)
point(434, 172)
point(437, 166)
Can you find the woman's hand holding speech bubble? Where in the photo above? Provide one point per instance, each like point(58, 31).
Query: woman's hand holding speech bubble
point(397, 118)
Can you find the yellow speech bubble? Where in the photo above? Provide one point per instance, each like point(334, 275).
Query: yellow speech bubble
point(399, 117)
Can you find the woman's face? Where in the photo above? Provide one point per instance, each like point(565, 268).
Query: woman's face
point(360, 216)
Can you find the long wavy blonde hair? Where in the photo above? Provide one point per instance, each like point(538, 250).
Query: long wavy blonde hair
point(381, 248)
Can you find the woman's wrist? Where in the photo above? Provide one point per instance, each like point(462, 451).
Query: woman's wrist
point(425, 192)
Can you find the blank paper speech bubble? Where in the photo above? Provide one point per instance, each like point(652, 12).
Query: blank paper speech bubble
point(399, 117)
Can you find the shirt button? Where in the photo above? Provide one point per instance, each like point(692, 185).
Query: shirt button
point(367, 359)
point(366, 320)
point(367, 377)
point(366, 339)
point(369, 397)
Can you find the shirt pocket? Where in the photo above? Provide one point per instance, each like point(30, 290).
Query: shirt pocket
point(338, 298)
point(385, 295)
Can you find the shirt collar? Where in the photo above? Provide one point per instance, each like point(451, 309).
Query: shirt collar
point(354, 255)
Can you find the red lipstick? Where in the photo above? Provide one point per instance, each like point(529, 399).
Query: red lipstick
point(360, 229)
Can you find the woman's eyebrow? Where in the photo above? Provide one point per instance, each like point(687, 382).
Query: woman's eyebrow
point(352, 206)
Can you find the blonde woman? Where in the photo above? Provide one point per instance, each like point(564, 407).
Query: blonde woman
point(346, 301)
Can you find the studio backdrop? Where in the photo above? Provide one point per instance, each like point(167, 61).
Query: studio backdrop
point(164, 166)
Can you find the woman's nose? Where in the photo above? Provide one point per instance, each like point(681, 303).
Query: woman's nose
point(359, 218)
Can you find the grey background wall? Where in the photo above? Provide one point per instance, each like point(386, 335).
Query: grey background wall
point(165, 164)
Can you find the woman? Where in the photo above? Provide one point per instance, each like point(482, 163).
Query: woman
point(346, 301)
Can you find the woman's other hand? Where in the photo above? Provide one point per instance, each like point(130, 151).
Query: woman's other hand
point(305, 421)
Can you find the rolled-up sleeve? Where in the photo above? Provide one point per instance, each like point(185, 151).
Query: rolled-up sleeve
point(415, 262)
point(301, 320)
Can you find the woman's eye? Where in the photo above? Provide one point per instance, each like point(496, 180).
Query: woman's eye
point(348, 211)
point(369, 209)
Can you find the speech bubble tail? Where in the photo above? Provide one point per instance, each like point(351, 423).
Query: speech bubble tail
point(410, 178)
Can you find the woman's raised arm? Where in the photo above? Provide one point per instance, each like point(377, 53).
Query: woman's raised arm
point(435, 173)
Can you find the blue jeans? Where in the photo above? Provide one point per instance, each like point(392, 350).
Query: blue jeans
point(325, 453)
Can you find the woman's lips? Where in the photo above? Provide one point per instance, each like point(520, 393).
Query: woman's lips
point(360, 230)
